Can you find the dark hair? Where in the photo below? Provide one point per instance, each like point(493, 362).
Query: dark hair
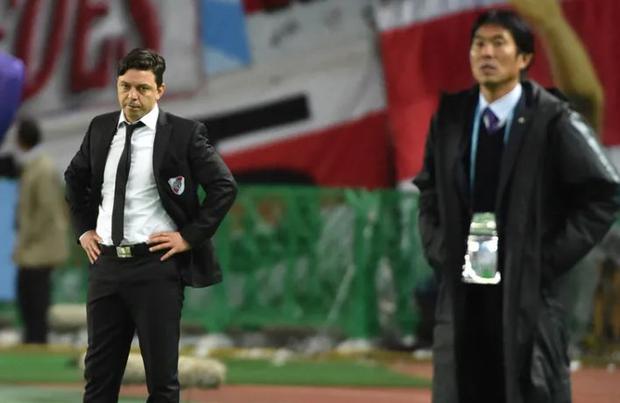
point(143, 59)
point(518, 28)
point(28, 133)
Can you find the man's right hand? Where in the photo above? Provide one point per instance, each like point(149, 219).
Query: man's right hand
point(90, 243)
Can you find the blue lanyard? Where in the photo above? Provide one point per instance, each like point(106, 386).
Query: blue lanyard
point(474, 142)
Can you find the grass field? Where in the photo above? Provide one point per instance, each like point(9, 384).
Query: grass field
point(318, 373)
point(38, 366)
point(49, 367)
point(39, 394)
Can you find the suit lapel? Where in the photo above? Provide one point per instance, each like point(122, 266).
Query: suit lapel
point(105, 134)
point(521, 121)
point(162, 138)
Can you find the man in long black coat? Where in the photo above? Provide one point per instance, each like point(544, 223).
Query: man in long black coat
point(510, 148)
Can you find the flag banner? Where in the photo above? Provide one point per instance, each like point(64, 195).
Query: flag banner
point(70, 48)
point(336, 93)
point(425, 47)
point(224, 36)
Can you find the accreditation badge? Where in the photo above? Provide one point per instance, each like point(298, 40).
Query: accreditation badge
point(482, 244)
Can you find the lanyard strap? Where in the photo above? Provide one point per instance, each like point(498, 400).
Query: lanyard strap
point(475, 134)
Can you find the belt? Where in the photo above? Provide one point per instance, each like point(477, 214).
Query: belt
point(125, 251)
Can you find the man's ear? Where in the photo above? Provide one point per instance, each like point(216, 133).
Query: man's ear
point(526, 59)
point(160, 90)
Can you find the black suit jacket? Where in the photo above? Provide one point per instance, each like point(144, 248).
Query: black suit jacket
point(181, 149)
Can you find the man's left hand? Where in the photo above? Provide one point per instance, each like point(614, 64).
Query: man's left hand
point(173, 241)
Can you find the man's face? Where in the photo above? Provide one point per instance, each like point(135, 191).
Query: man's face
point(494, 58)
point(138, 93)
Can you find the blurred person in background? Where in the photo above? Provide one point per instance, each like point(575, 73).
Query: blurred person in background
point(11, 82)
point(132, 189)
point(42, 224)
point(510, 156)
point(606, 307)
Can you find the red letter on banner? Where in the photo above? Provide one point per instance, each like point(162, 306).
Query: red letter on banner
point(81, 77)
point(147, 22)
point(51, 49)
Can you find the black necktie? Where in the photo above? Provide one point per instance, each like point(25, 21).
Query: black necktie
point(122, 174)
point(488, 162)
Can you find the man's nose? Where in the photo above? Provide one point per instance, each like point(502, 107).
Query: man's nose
point(487, 50)
point(133, 93)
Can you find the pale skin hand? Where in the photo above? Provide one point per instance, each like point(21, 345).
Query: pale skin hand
point(90, 243)
point(173, 241)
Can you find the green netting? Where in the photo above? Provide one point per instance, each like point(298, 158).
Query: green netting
point(296, 256)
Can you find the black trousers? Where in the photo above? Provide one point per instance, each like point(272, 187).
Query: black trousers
point(33, 301)
point(481, 361)
point(127, 295)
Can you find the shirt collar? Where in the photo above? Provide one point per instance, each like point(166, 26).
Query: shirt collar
point(502, 107)
point(149, 120)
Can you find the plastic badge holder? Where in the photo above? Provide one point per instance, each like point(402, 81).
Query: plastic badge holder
point(481, 258)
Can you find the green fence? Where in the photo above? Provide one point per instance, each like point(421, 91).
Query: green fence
point(294, 256)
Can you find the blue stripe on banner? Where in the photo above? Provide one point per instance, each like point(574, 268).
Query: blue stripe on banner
point(224, 35)
point(8, 190)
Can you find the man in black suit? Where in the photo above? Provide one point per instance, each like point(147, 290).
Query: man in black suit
point(514, 190)
point(132, 189)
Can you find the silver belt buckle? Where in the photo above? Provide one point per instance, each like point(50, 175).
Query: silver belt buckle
point(123, 251)
point(482, 245)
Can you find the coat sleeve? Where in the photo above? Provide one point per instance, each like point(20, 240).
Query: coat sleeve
point(429, 221)
point(78, 191)
point(210, 171)
point(591, 187)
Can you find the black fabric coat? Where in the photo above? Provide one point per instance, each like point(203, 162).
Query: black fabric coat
point(557, 197)
point(181, 148)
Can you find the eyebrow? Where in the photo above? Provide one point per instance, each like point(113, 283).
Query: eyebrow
point(123, 82)
point(495, 36)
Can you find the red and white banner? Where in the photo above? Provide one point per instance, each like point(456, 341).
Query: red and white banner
point(70, 48)
point(339, 92)
point(319, 52)
point(425, 45)
point(324, 50)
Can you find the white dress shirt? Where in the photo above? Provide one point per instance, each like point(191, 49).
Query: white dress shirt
point(502, 107)
point(144, 213)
